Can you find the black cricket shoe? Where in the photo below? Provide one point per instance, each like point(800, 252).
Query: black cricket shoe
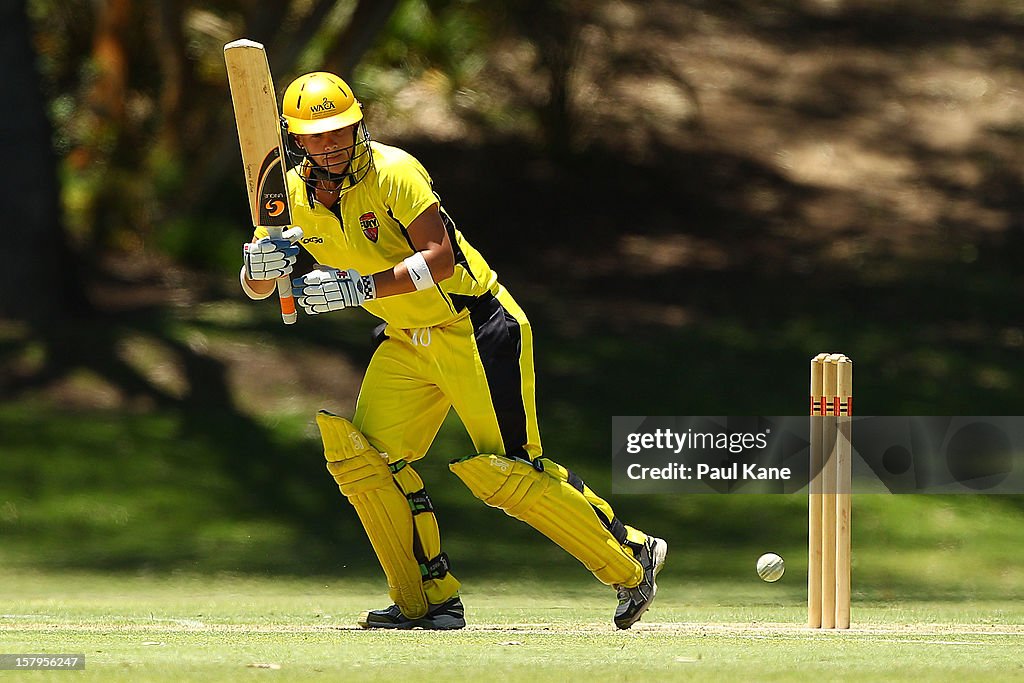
point(633, 602)
point(447, 616)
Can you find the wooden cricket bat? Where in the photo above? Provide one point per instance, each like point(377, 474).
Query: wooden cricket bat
point(259, 136)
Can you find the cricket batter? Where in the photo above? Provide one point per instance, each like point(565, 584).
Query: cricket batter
point(454, 338)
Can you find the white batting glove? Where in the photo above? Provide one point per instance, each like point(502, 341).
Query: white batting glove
point(269, 259)
point(329, 289)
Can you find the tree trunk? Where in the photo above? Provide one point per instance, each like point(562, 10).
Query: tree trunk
point(38, 279)
point(110, 57)
point(368, 20)
point(169, 37)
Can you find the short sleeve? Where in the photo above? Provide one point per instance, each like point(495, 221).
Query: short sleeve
point(408, 188)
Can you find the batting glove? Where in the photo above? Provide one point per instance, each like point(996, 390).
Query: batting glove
point(329, 289)
point(270, 259)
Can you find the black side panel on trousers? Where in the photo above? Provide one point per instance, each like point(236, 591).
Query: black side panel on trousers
point(378, 335)
point(499, 340)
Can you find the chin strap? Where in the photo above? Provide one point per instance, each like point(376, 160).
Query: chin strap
point(323, 175)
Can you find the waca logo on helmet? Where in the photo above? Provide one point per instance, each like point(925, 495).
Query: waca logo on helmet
point(325, 108)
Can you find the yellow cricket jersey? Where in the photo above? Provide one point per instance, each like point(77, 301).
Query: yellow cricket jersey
point(371, 236)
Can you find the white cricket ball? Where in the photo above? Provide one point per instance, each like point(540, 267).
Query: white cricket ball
point(770, 567)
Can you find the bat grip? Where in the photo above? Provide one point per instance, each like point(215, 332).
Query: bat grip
point(284, 288)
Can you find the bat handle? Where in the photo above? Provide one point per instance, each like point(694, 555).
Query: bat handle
point(284, 293)
point(284, 288)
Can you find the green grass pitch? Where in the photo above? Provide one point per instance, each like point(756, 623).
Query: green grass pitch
point(186, 627)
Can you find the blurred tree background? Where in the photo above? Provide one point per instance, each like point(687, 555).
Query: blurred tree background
point(690, 199)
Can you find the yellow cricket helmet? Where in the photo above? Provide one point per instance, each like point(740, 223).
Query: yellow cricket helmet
point(318, 102)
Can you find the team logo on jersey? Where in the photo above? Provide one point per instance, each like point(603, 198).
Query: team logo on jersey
point(370, 226)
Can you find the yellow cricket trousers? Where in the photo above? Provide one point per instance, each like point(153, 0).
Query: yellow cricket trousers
point(480, 364)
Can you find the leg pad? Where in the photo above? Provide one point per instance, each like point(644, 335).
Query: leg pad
point(439, 584)
point(363, 476)
point(550, 504)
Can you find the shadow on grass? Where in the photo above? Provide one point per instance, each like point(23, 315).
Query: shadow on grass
point(656, 285)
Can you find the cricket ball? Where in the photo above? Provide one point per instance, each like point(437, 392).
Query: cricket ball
point(770, 567)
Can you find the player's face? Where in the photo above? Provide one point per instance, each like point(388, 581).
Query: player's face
point(331, 150)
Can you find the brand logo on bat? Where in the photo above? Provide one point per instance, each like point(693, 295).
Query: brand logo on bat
point(275, 207)
point(370, 226)
point(272, 191)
